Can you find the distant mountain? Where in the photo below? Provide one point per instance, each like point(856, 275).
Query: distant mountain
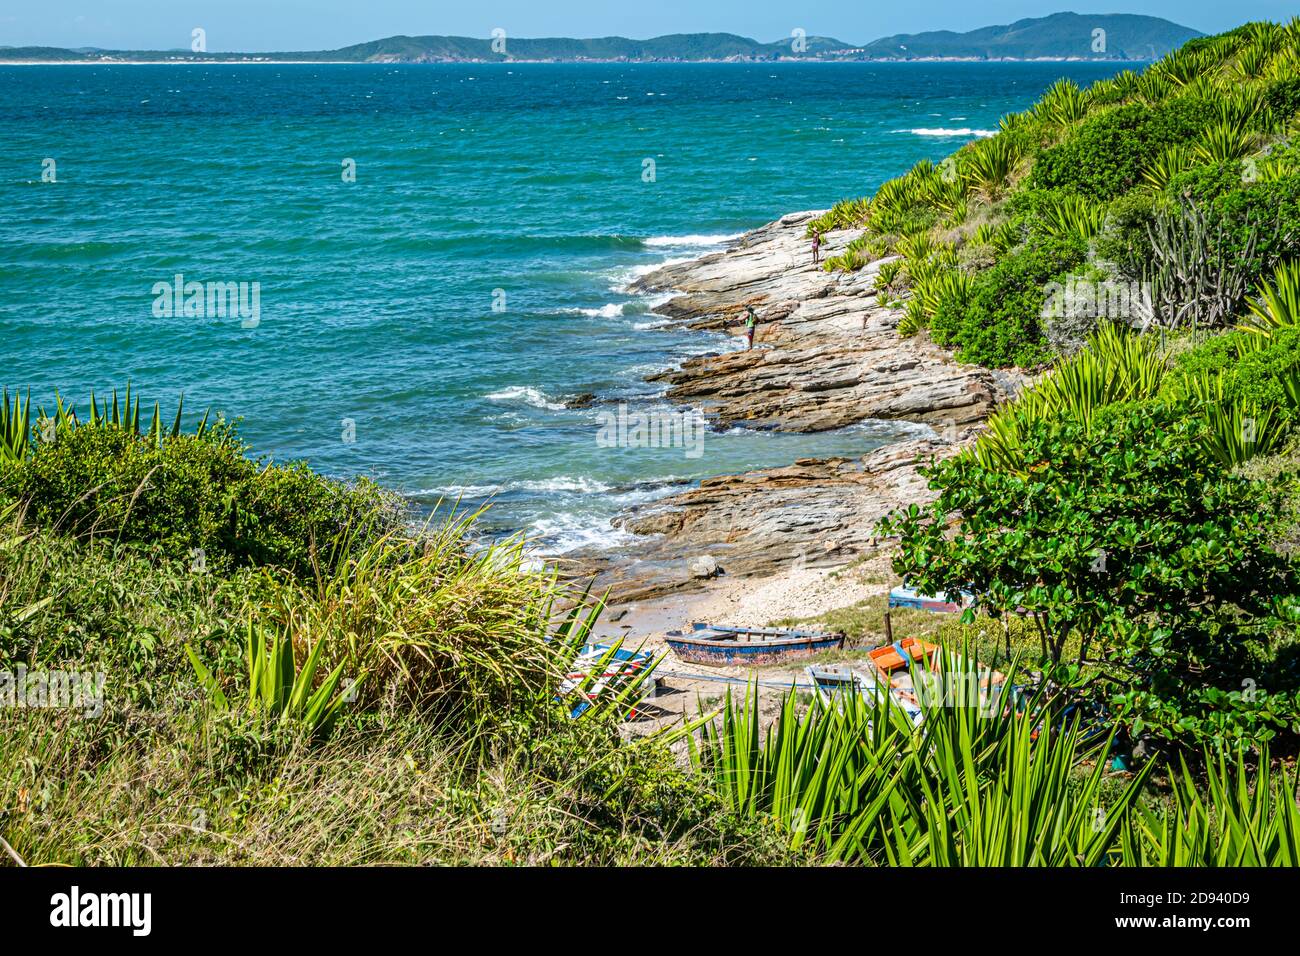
point(677, 46)
point(1062, 36)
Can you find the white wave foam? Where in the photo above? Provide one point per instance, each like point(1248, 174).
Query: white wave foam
point(583, 484)
point(694, 239)
point(611, 310)
point(623, 278)
point(946, 131)
point(459, 491)
point(565, 532)
point(527, 395)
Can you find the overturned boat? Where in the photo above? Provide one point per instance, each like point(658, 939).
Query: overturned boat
point(910, 598)
point(831, 685)
point(723, 644)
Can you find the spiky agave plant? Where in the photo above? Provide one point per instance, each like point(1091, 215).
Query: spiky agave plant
point(1277, 305)
point(1037, 810)
point(990, 164)
point(1075, 217)
point(15, 427)
point(1224, 142)
point(277, 687)
point(1115, 366)
point(1241, 819)
point(941, 287)
point(1063, 104)
point(823, 776)
point(1176, 159)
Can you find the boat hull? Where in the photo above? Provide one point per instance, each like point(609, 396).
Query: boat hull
point(907, 598)
point(722, 652)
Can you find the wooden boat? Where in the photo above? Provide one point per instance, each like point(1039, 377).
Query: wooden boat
point(832, 684)
point(906, 597)
point(900, 654)
point(618, 669)
point(722, 644)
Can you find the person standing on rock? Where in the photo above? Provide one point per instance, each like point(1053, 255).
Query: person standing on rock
point(751, 323)
point(817, 247)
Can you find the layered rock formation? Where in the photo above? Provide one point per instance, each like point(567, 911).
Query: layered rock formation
point(826, 355)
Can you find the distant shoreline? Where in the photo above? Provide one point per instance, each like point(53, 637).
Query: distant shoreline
point(737, 62)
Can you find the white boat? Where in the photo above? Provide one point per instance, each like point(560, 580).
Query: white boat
point(832, 683)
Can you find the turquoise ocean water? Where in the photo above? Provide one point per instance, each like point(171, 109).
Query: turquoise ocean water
point(515, 185)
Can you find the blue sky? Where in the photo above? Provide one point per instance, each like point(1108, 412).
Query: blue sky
point(325, 24)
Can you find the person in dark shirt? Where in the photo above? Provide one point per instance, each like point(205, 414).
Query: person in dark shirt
point(817, 247)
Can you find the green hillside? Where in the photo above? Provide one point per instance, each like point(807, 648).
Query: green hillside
point(1139, 239)
point(1059, 36)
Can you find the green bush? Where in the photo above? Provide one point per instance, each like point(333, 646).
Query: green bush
point(193, 498)
point(1247, 373)
point(1124, 240)
point(1000, 324)
point(1283, 98)
point(1105, 158)
point(1269, 209)
point(1124, 537)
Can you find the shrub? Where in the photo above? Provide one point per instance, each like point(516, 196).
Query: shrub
point(1126, 539)
point(1000, 324)
point(1247, 373)
point(193, 497)
point(1125, 241)
point(1267, 209)
point(1283, 98)
point(1107, 155)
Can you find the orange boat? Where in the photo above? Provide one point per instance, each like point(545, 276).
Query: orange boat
point(891, 657)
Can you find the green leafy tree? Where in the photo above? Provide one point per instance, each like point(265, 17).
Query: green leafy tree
point(1131, 545)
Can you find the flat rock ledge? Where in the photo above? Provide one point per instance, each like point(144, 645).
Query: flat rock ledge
point(825, 356)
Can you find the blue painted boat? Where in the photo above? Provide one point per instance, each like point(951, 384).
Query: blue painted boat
point(603, 667)
point(906, 597)
point(722, 644)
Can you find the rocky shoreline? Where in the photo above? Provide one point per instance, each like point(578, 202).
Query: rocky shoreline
point(825, 356)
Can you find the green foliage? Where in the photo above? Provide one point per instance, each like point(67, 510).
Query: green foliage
point(1237, 819)
point(193, 497)
point(1255, 224)
point(1283, 97)
point(277, 687)
point(990, 165)
point(1115, 367)
point(1107, 155)
point(1278, 306)
point(1000, 324)
point(1248, 368)
point(1125, 238)
point(1130, 540)
point(982, 783)
point(1195, 276)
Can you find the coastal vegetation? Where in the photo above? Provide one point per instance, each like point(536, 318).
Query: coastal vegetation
point(295, 672)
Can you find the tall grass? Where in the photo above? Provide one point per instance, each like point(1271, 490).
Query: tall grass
point(985, 781)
